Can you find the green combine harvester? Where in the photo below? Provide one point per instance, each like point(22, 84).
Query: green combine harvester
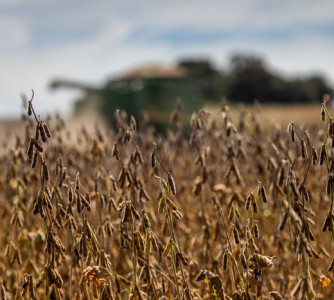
point(153, 90)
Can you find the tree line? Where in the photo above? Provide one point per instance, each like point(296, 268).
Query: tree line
point(248, 78)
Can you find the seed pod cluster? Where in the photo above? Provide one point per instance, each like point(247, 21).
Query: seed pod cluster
point(291, 130)
point(153, 160)
point(262, 193)
point(171, 183)
point(87, 218)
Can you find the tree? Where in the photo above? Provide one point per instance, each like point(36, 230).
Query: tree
point(249, 79)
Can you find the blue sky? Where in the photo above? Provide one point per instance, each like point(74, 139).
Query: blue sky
point(93, 40)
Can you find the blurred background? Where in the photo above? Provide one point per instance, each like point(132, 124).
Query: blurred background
point(90, 56)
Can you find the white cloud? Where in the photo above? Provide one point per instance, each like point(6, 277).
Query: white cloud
point(14, 34)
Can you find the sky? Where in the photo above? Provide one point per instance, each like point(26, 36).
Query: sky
point(91, 41)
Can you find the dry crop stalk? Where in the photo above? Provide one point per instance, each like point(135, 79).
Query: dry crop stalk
point(108, 225)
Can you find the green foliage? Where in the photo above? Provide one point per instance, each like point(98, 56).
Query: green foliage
point(249, 79)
